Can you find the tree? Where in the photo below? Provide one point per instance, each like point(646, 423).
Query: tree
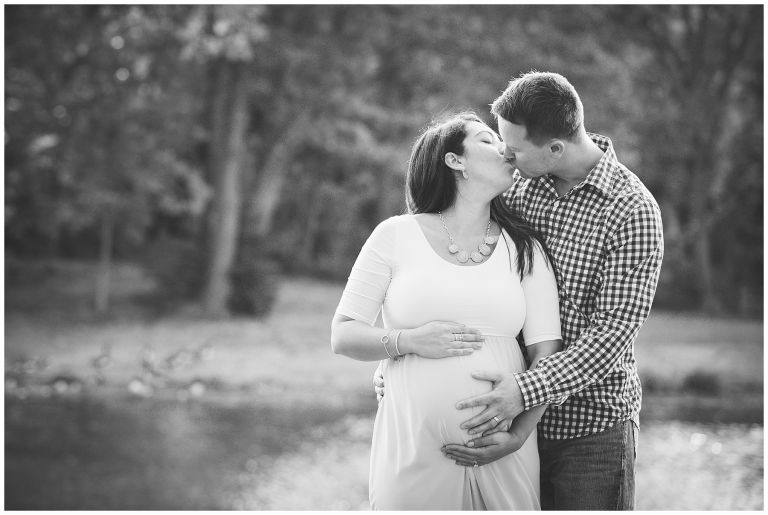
point(700, 61)
point(91, 146)
point(240, 133)
point(225, 39)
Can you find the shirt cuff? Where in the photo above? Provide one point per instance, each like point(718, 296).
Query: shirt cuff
point(534, 387)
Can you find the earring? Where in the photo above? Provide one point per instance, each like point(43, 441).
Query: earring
point(465, 174)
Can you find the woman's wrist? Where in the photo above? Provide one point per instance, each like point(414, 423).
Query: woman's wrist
point(388, 343)
point(405, 342)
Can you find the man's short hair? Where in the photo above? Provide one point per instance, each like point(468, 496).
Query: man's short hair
point(545, 103)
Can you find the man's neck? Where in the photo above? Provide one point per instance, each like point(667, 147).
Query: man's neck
point(582, 157)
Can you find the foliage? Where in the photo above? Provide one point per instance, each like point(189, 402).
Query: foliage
point(700, 84)
point(115, 111)
point(85, 132)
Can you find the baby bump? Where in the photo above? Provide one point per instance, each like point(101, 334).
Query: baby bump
point(425, 391)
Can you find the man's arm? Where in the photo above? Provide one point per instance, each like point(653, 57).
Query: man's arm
point(505, 438)
point(629, 279)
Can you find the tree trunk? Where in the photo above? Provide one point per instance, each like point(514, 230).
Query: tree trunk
point(214, 119)
point(103, 276)
point(306, 253)
point(226, 171)
point(266, 195)
point(704, 208)
point(710, 300)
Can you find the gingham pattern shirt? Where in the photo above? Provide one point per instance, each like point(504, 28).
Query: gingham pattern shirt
point(605, 236)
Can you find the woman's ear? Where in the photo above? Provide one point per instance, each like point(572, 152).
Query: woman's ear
point(453, 162)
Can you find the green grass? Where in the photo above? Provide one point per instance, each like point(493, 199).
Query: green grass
point(283, 423)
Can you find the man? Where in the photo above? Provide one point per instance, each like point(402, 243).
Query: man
point(604, 232)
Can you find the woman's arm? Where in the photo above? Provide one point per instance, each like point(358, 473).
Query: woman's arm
point(358, 340)
point(526, 422)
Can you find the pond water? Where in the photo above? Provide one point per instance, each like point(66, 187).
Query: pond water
point(120, 452)
point(137, 453)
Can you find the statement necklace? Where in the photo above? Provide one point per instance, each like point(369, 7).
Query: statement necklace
point(462, 256)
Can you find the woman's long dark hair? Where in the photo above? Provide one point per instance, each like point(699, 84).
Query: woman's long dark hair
point(431, 185)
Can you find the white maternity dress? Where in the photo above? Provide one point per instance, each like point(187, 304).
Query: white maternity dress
point(398, 271)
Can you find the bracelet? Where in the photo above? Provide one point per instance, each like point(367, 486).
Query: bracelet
point(397, 338)
point(384, 340)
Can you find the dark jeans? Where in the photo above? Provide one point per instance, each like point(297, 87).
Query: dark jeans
point(594, 472)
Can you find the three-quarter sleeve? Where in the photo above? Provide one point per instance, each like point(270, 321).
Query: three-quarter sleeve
point(370, 276)
point(542, 311)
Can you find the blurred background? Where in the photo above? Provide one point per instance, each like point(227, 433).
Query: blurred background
point(187, 187)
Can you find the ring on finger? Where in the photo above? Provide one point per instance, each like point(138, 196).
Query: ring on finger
point(459, 337)
point(498, 421)
point(474, 464)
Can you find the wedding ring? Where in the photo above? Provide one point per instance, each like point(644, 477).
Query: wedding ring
point(475, 465)
point(497, 420)
point(459, 337)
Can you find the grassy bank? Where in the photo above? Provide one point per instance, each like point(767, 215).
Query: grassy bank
point(49, 334)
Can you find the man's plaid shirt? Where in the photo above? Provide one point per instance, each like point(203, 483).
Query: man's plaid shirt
point(605, 236)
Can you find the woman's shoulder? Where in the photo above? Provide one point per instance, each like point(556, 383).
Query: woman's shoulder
point(390, 227)
point(396, 222)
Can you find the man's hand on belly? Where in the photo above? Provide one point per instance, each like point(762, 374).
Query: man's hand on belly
point(484, 450)
point(502, 404)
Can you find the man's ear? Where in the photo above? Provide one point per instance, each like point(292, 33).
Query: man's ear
point(453, 162)
point(556, 148)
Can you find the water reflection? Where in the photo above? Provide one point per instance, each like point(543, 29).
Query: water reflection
point(122, 452)
point(129, 453)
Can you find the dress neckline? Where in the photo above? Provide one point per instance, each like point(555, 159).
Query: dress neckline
point(417, 226)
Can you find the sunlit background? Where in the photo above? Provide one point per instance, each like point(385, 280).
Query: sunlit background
point(186, 188)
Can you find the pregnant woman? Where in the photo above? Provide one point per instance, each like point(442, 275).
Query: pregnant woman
point(456, 281)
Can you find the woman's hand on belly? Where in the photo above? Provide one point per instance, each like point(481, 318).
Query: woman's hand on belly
point(436, 340)
point(483, 450)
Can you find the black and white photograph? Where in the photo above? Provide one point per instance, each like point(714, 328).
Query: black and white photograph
point(401, 257)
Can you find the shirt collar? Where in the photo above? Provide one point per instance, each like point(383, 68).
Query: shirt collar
point(600, 177)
